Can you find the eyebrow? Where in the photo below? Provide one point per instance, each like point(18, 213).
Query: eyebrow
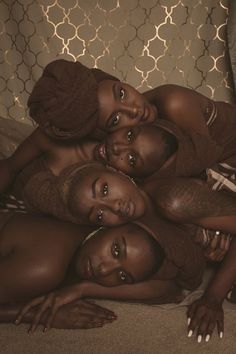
point(114, 93)
point(124, 249)
point(94, 196)
point(124, 246)
point(94, 187)
point(137, 132)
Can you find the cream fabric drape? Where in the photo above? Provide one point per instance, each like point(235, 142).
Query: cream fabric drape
point(144, 42)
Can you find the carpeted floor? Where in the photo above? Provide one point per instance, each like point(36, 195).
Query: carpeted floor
point(139, 329)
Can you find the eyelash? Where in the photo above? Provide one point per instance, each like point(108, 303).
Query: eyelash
point(115, 119)
point(115, 249)
point(122, 94)
point(132, 160)
point(122, 273)
point(100, 216)
point(104, 189)
point(130, 135)
point(116, 253)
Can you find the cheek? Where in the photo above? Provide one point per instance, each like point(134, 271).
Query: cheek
point(82, 202)
point(120, 163)
point(112, 219)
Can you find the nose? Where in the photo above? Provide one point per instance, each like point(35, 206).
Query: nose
point(116, 206)
point(107, 267)
point(132, 110)
point(117, 148)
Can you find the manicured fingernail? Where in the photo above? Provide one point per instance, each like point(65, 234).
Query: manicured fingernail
point(229, 295)
point(221, 334)
point(189, 320)
point(112, 316)
point(190, 333)
point(207, 337)
point(199, 338)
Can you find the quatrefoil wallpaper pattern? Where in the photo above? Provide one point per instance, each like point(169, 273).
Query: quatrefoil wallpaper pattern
point(143, 42)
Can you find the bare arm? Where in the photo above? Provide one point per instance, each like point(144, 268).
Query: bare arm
point(152, 291)
point(190, 201)
point(33, 146)
point(207, 312)
point(81, 314)
point(182, 106)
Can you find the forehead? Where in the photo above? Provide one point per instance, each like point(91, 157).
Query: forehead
point(90, 177)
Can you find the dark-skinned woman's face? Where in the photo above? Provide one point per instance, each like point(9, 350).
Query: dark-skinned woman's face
point(105, 197)
point(116, 256)
point(137, 151)
point(122, 105)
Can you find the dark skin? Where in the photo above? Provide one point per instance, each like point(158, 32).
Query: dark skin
point(39, 271)
point(138, 151)
point(175, 200)
point(127, 107)
point(174, 105)
point(42, 258)
point(191, 201)
point(121, 107)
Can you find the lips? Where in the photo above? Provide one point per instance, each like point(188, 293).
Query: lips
point(145, 114)
point(89, 269)
point(127, 209)
point(100, 152)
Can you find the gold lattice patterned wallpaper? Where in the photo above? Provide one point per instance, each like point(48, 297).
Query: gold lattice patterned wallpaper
point(144, 42)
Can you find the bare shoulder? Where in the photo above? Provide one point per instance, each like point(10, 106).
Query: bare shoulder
point(189, 199)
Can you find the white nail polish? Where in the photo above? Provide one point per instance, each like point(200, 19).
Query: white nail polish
point(189, 320)
point(221, 334)
point(190, 333)
point(208, 337)
point(199, 338)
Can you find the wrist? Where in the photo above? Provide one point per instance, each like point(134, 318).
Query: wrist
point(86, 289)
point(213, 298)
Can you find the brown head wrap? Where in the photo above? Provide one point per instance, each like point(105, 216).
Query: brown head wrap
point(44, 192)
point(65, 98)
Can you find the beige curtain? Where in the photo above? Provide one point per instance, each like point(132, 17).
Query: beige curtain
point(144, 42)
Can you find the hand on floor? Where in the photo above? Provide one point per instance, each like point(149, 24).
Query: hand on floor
point(203, 316)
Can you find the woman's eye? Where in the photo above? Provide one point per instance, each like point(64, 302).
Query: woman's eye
point(105, 189)
point(129, 135)
point(100, 216)
point(132, 160)
point(116, 249)
point(115, 119)
point(122, 94)
point(122, 275)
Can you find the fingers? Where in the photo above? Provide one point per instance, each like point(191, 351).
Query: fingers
point(220, 325)
point(45, 305)
point(203, 319)
point(191, 310)
point(218, 247)
point(196, 318)
point(51, 315)
point(214, 242)
point(99, 310)
point(86, 322)
point(27, 308)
